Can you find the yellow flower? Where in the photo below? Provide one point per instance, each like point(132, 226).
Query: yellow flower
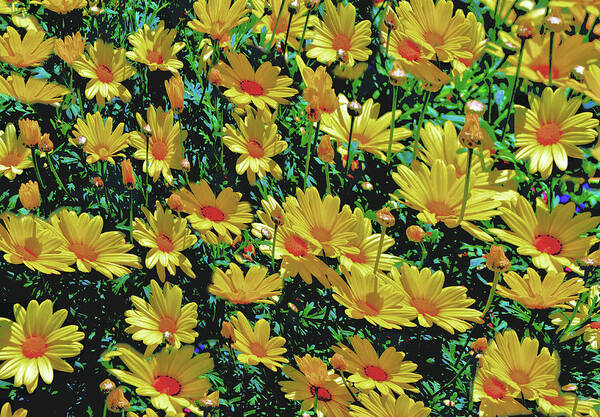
point(162, 318)
point(155, 48)
point(254, 287)
point(14, 155)
point(30, 132)
point(167, 236)
point(101, 142)
point(265, 87)
point(376, 405)
point(256, 345)
point(35, 344)
point(218, 17)
point(338, 37)
point(268, 21)
point(319, 92)
point(82, 235)
point(30, 51)
point(496, 396)
point(447, 307)
point(70, 48)
point(62, 6)
point(176, 92)
point(257, 141)
point(7, 411)
point(549, 131)
point(106, 68)
point(551, 239)
point(388, 372)
point(164, 143)
point(29, 194)
point(34, 90)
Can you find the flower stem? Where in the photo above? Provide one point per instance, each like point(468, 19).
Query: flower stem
point(303, 32)
point(316, 401)
point(466, 192)
point(287, 34)
point(379, 247)
point(423, 254)
point(393, 122)
point(514, 89)
point(350, 156)
point(387, 43)
point(187, 180)
point(308, 148)
point(273, 248)
point(104, 411)
point(131, 216)
point(492, 292)
point(570, 321)
point(57, 178)
point(575, 406)
point(550, 58)
point(427, 95)
point(276, 23)
point(147, 169)
point(34, 153)
point(328, 189)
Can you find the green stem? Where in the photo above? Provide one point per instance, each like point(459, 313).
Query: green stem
point(308, 148)
point(427, 95)
point(56, 177)
point(147, 169)
point(570, 321)
point(104, 411)
point(387, 43)
point(575, 403)
point(276, 23)
point(348, 388)
point(492, 292)
point(350, 156)
point(187, 180)
point(34, 153)
point(423, 254)
point(550, 59)
point(393, 122)
point(466, 191)
point(130, 216)
point(514, 89)
point(328, 189)
point(379, 247)
point(273, 248)
point(287, 34)
point(455, 377)
point(316, 401)
point(303, 32)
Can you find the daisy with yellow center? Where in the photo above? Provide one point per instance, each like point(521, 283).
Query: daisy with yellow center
point(32, 91)
point(367, 244)
point(101, 142)
point(376, 299)
point(162, 318)
point(314, 380)
point(257, 140)
point(519, 364)
point(35, 343)
point(376, 405)
point(30, 51)
point(550, 131)
point(105, 252)
point(388, 372)
point(437, 192)
point(62, 6)
point(106, 68)
point(164, 143)
point(337, 36)
point(218, 17)
point(172, 378)
point(279, 29)
point(551, 239)
point(265, 87)
point(14, 155)
point(254, 287)
point(534, 293)
point(497, 396)
point(167, 236)
point(70, 48)
point(6, 411)
point(256, 345)
point(447, 307)
point(155, 48)
point(34, 243)
point(370, 131)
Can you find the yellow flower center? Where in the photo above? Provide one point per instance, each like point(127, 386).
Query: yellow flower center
point(167, 324)
point(104, 74)
point(83, 251)
point(34, 347)
point(254, 149)
point(425, 306)
point(549, 134)
point(164, 243)
point(159, 150)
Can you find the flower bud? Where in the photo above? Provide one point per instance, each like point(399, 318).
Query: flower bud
point(338, 362)
point(277, 216)
point(471, 135)
point(525, 31)
point(211, 400)
point(29, 194)
point(397, 76)
point(555, 23)
point(390, 20)
point(30, 132)
point(175, 91)
point(98, 183)
point(96, 11)
point(385, 217)
point(175, 203)
point(569, 388)
point(107, 385)
point(147, 129)
point(367, 186)
point(293, 7)
point(81, 141)
point(266, 234)
point(293, 307)
point(475, 107)
point(496, 260)
point(313, 114)
point(311, 4)
point(480, 344)
point(228, 332)
point(215, 77)
point(127, 174)
point(354, 108)
point(185, 165)
point(45, 144)
point(415, 233)
point(449, 403)
point(116, 401)
point(325, 150)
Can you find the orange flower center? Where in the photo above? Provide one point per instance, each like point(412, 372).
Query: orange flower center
point(595, 325)
point(83, 251)
point(409, 50)
point(440, 208)
point(321, 234)
point(341, 41)
point(34, 347)
point(167, 385)
point(544, 69)
point(360, 138)
point(252, 87)
point(281, 25)
point(255, 150)
point(160, 150)
point(519, 376)
point(11, 160)
point(103, 152)
point(375, 373)
point(154, 57)
point(549, 134)
point(164, 243)
point(27, 253)
point(558, 400)
point(296, 246)
point(212, 213)
point(359, 258)
point(494, 388)
point(547, 244)
point(425, 306)
point(323, 394)
point(167, 324)
point(370, 306)
point(104, 74)
point(258, 349)
point(434, 39)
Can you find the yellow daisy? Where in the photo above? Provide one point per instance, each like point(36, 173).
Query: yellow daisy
point(549, 131)
point(254, 287)
point(562, 404)
point(337, 36)
point(256, 345)
point(476, 45)
point(106, 68)
point(447, 307)
point(70, 48)
point(62, 6)
point(551, 239)
point(265, 87)
point(36, 343)
point(6, 411)
point(376, 405)
point(82, 236)
point(14, 155)
point(257, 141)
point(218, 17)
point(388, 372)
point(319, 92)
point(32, 91)
point(497, 396)
point(591, 84)
point(30, 51)
point(167, 236)
point(101, 142)
point(268, 21)
point(162, 318)
point(155, 48)
point(164, 143)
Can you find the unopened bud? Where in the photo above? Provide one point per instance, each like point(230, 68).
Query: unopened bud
point(215, 77)
point(390, 20)
point(480, 344)
point(45, 143)
point(116, 401)
point(415, 233)
point(147, 129)
point(81, 141)
point(471, 135)
point(554, 23)
point(569, 388)
point(228, 332)
point(343, 56)
point(325, 150)
point(385, 217)
point(311, 4)
point(524, 31)
point(277, 216)
point(449, 403)
point(475, 107)
point(293, 7)
point(338, 362)
point(354, 108)
point(175, 203)
point(266, 233)
point(29, 194)
point(98, 183)
point(496, 260)
point(107, 385)
point(398, 76)
point(185, 165)
point(367, 186)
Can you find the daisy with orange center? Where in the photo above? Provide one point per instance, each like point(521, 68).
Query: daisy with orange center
point(101, 142)
point(218, 17)
point(167, 236)
point(563, 404)
point(497, 397)
point(265, 87)
point(550, 131)
point(163, 318)
point(155, 48)
point(31, 51)
point(14, 155)
point(33, 90)
point(338, 36)
point(388, 372)
point(35, 343)
point(253, 287)
point(552, 240)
